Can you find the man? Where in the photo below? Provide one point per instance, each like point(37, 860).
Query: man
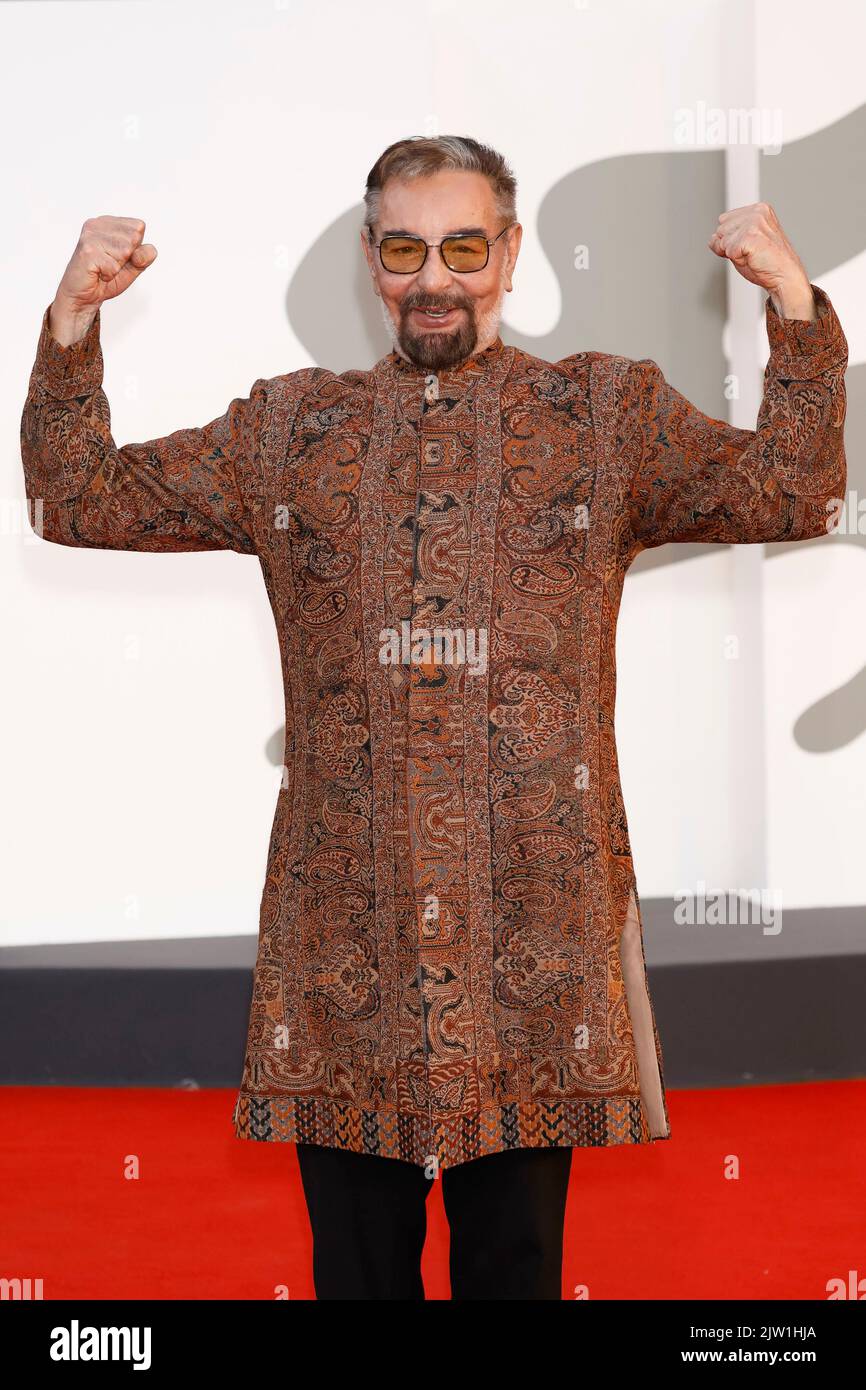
point(450, 976)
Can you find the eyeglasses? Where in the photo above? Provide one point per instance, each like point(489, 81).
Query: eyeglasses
point(404, 255)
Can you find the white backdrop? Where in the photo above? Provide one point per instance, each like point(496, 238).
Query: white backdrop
point(141, 691)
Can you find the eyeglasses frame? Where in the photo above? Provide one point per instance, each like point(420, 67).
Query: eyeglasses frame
point(429, 245)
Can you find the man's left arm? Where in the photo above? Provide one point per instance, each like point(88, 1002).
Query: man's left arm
point(695, 478)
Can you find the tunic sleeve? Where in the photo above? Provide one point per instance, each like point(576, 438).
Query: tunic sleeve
point(694, 478)
point(192, 490)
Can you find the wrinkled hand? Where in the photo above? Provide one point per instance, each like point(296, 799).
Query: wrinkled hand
point(110, 255)
point(752, 239)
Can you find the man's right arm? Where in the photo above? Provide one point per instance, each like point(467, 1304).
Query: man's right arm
point(191, 490)
point(195, 489)
point(67, 326)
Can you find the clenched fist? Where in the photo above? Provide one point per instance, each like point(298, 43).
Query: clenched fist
point(110, 254)
point(751, 238)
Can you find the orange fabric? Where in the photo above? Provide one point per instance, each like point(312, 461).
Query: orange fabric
point(446, 963)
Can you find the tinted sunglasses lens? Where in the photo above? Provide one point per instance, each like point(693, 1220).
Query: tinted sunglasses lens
point(465, 252)
point(402, 254)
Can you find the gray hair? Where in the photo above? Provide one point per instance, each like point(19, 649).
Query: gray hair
point(419, 156)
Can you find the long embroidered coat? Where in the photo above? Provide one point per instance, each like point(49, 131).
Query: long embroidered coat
point(450, 957)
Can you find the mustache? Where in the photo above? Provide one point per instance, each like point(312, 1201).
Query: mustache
point(432, 304)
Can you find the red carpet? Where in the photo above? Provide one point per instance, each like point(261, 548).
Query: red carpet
point(212, 1216)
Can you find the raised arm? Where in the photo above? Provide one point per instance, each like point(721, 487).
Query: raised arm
point(695, 478)
point(194, 489)
point(690, 477)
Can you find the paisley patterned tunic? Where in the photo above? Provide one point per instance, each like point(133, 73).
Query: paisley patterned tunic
point(450, 958)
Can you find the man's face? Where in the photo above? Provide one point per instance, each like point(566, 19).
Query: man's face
point(443, 204)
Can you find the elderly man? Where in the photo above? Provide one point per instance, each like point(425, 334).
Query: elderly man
point(450, 978)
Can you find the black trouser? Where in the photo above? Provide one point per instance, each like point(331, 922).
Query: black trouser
point(368, 1215)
